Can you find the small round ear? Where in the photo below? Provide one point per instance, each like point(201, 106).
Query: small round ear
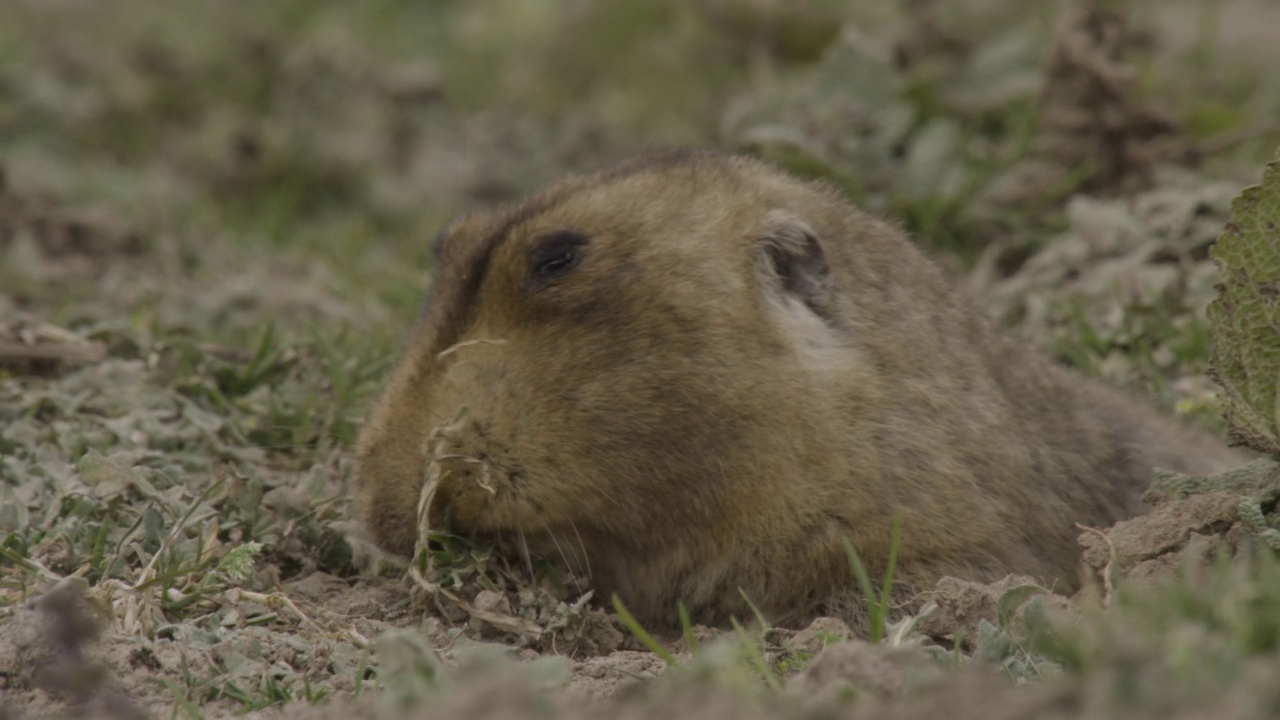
point(792, 264)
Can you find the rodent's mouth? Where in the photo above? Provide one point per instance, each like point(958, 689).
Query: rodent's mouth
point(463, 477)
point(473, 492)
point(497, 516)
point(477, 485)
point(460, 489)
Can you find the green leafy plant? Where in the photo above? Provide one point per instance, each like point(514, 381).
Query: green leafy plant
point(1246, 315)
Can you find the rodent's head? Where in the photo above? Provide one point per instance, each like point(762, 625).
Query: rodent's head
point(634, 359)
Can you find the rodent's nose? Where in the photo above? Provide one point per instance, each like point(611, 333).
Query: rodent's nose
point(467, 468)
point(464, 472)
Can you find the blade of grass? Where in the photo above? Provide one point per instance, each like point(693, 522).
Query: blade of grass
point(764, 624)
point(641, 634)
point(864, 585)
point(895, 535)
point(686, 627)
point(877, 604)
point(755, 654)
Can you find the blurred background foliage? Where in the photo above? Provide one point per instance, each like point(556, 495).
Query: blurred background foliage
point(327, 141)
point(405, 112)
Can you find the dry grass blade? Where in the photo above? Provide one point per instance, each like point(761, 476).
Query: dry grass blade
point(1111, 569)
point(506, 623)
point(467, 343)
point(27, 340)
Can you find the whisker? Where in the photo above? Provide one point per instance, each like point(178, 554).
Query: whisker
point(524, 553)
point(586, 559)
point(568, 563)
point(607, 496)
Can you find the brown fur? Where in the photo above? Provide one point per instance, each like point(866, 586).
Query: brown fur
point(742, 372)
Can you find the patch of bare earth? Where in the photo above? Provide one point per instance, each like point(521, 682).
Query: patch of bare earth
point(57, 661)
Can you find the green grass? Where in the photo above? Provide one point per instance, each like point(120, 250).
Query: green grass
point(877, 604)
point(641, 634)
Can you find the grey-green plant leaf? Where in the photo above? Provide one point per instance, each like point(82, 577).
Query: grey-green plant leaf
point(1245, 317)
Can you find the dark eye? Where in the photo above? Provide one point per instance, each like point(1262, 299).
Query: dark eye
point(556, 264)
point(555, 255)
